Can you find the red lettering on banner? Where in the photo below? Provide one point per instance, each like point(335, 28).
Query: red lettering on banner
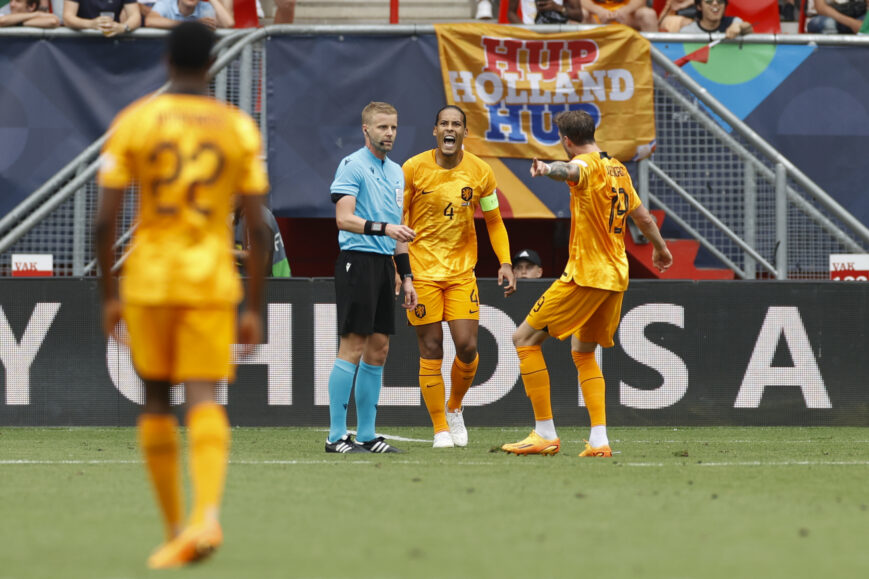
point(502, 50)
point(552, 50)
point(544, 56)
point(582, 53)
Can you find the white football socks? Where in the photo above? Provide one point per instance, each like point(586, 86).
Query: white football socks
point(598, 436)
point(546, 429)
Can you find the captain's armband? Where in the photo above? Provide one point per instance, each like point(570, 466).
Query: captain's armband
point(489, 202)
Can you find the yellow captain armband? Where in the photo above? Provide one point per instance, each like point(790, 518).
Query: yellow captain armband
point(489, 202)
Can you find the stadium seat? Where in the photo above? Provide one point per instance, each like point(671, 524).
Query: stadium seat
point(244, 13)
point(763, 14)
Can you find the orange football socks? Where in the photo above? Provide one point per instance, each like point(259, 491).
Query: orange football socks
point(593, 386)
point(431, 383)
point(535, 376)
point(461, 376)
point(159, 441)
point(208, 430)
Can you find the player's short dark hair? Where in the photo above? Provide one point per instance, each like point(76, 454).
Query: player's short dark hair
point(454, 107)
point(578, 126)
point(189, 46)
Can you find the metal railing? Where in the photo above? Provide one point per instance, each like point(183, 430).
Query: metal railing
point(747, 205)
point(57, 217)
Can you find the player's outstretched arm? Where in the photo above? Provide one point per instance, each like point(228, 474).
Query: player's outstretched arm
point(557, 170)
point(661, 256)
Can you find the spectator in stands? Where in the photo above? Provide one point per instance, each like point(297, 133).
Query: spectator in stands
point(26, 13)
point(838, 17)
point(527, 265)
point(545, 11)
point(112, 17)
point(53, 6)
point(285, 11)
point(675, 14)
point(633, 13)
point(711, 18)
point(788, 11)
point(170, 13)
point(145, 7)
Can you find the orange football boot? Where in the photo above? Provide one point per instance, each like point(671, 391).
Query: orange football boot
point(533, 444)
point(193, 544)
point(597, 451)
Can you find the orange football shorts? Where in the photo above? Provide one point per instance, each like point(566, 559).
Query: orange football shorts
point(566, 309)
point(445, 301)
point(176, 344)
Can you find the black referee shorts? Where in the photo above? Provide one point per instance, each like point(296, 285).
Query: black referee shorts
point(365, 293)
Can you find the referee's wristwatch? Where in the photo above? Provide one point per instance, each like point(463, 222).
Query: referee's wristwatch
point(407, 276)
point(126, 27)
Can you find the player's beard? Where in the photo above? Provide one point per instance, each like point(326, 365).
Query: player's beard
point(383, 148)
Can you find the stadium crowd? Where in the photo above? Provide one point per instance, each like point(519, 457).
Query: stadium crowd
point(688, 16)
point(114, 17)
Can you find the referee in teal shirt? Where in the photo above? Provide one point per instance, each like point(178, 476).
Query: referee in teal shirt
point(368, 190)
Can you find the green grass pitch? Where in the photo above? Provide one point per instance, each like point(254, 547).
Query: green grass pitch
point(673, 503)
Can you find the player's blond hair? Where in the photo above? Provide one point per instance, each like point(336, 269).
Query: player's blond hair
point(375, 107)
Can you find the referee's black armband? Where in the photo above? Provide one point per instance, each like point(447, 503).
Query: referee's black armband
point(375, 227)
point(402, 264)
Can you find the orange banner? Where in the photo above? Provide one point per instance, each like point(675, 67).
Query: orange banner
point(511, 83)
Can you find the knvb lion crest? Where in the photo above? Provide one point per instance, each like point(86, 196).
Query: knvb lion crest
point(467, 194)
point(419, 311)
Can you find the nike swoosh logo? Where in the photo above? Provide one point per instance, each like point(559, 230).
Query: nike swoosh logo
point(430, 385)
point(473, 311)
point(427, 192)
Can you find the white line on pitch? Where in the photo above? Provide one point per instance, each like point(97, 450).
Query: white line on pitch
point(746, 441)
point(288, 462)
point(753, 463)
